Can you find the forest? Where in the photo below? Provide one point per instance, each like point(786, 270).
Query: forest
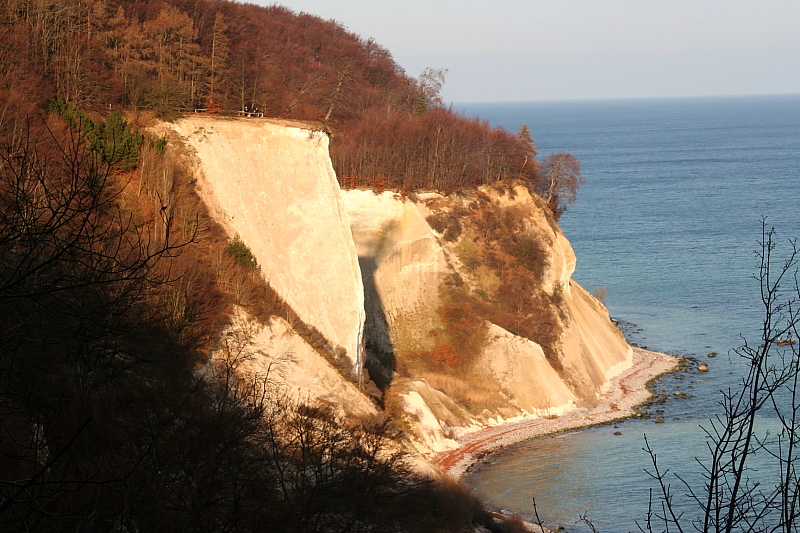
point(116, 284)
point(388, 129)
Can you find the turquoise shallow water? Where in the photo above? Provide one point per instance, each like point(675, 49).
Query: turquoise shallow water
point(667, 221)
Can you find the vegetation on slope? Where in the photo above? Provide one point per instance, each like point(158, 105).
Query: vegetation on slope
point(501, 266)
point(389, 130)
point(115, 284)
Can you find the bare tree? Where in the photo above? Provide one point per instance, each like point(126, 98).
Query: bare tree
point(430, 84)
point(75, 275)
point(344, 76)
point(733, 497)
point(561, 179)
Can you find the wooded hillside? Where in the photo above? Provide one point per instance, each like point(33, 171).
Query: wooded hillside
point(115, 287)
point(116, 284)
point(167, 57)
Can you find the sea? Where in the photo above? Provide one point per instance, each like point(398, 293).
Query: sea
point(666, 226)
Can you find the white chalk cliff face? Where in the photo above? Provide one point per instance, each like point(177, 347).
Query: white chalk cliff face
point(404, 264)
point(366, 268)
point(592, 349)
point(275, 352)
point(274, 186)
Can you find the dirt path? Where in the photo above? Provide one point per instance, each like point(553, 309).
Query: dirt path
point(627, 390)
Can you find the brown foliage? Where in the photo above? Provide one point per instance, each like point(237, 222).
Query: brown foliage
point(445, 355)
point(527, 312)
point(460, 339)
point(176, 56)
point(113, 418)
point(519, 257)
point(464, 325)
point(436, 150)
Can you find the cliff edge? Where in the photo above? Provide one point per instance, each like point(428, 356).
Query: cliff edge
point(273, 185)
point(469, 297)
point(460, 307)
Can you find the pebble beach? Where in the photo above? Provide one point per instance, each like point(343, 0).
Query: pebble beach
point(627, 390)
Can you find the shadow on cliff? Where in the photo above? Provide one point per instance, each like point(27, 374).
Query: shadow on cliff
point(380, 360)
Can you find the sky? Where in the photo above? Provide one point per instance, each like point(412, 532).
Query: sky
point(513, 50)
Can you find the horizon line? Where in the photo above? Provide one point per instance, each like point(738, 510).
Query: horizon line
point(620, 98)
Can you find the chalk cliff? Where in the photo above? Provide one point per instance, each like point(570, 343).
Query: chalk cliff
point(406, 286)
point(408, 268)
point(273, 184)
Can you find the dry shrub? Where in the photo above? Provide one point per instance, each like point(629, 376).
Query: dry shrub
point(456, 342)
point(528, 313)
point(462, 317)
point(437, 222)
point(453, 231)
point(600, 293)
point(446, 224)
point(393, 407)
point(475, 391)
point(508, 263)
point(487, 281)
point(530, 254)
point(454, 506)
point(470, 250)
point(445, 355)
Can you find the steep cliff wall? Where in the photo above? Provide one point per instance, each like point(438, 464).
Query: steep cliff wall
point(402, 266)
point(412, 271)
point(464, 302)
point(273, 184)
point(592, 348)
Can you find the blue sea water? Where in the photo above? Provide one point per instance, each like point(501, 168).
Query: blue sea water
point(667, 222)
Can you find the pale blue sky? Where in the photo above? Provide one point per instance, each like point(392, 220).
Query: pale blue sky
point(506, 50)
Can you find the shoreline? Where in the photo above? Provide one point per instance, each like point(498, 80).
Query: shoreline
point(627, 391)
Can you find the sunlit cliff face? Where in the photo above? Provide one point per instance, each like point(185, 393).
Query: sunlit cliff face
point(414, 274)
point(274, 186)
point(470, 317)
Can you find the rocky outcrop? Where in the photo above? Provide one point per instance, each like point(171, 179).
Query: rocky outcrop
point(520, 366)
point(272, 183)
point(422, 283)
point(592, 348)
point(405, 265)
